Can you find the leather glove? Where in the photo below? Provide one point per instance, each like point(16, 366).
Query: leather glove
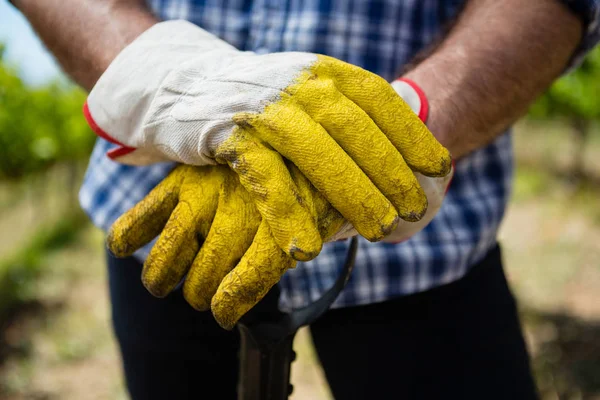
point(179, 93)
point(210, 230)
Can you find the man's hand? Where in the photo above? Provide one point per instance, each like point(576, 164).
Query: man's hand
point(86, 35)
point(496, 60)
point(207, 224)
point(179, 93)
point(212, 235)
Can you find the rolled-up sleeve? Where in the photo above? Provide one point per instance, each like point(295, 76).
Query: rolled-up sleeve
point(589, 11)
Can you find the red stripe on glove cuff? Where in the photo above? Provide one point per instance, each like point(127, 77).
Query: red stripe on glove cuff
point(114, 153)
point(424, 111)
point(452, 177)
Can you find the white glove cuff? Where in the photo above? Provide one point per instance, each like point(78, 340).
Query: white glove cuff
point(133, 78)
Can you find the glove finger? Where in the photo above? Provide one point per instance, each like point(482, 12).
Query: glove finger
point(372, 151)
point(201, 193)
point(263, 174)
point(435, 189)
point(179, 242)
point(146, 219)
point(421, 150)
point(232, 231)
point(330, 221)
point(325, 164)
point(260, 268)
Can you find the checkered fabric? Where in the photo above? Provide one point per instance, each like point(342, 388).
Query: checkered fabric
point(381, 36)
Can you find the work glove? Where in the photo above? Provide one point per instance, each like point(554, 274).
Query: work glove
point(179, 93)
point(212, 234)
point(208, 224)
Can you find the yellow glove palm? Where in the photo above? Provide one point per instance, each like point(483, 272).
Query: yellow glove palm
point(210, 224)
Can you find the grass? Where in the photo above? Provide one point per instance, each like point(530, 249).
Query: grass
point(18, 272)
point(63, 347)
point(550, 146)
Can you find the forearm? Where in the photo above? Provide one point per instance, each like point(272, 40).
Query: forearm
point(497, 59)
point(86, 35)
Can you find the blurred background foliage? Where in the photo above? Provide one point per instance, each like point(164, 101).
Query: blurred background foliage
point(575, 95)
point(44, 144)
point(574, 99)
point(55, 337)
point(39, 127)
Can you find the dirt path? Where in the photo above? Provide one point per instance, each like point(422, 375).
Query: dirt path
point(70, 352)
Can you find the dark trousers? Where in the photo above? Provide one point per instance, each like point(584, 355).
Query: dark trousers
point(459, 341)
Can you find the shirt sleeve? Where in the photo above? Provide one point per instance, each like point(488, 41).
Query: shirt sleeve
point(589, 11)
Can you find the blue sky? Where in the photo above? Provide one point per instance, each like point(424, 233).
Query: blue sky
point(23, 48)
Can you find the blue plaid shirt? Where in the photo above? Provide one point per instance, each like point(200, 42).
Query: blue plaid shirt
point(381, 36)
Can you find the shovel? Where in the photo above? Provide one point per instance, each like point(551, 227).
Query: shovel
point(267, 336)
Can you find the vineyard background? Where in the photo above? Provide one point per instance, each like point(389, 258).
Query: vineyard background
point(55, 337)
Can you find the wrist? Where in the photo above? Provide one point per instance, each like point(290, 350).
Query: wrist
point(105, 50)
point(149, 55)
point(442, 109)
